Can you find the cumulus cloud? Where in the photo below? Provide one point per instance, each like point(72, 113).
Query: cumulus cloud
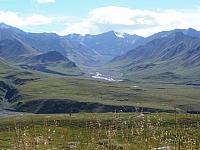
point(45, 1)
point(134, 21)
point(120, 19)
point(14, 19)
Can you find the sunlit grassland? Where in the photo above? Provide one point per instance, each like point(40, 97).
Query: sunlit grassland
point(153, 95)
point(83, 131)
point(6, 69)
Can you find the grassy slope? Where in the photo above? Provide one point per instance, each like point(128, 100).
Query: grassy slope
point(6, 69)
point(54, 69)
point(161, 96)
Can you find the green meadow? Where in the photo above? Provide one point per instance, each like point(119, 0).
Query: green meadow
point(113, 131)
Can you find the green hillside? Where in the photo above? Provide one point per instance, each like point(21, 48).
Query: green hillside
point(63, 92)
point(6, 69)
point(42, 94)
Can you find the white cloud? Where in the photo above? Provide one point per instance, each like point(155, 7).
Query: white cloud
point(120, 19)
point(14, 19)
point(134, 21)
point(37, 19)
point(45, 1)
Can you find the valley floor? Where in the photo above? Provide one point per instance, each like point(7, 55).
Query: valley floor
point(71, 94)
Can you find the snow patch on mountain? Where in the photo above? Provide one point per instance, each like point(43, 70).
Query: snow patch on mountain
point(120, 35)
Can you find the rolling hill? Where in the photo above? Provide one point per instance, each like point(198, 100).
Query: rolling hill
point(52, 62)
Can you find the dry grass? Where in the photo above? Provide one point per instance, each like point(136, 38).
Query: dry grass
point(110, 131)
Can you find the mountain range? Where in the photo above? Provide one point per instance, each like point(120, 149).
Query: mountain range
point(168, 55)
point(88, 50)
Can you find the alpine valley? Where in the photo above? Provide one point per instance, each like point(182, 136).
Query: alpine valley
point(111, 71)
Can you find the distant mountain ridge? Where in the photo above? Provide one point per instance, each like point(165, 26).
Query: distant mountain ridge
point(88, 50)
point(35, 51)
point(110, 43)
point(164, 53)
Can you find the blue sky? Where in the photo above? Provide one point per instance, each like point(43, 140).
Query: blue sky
point(143, 17)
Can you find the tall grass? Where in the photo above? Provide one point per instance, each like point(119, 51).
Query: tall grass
point(132, 131)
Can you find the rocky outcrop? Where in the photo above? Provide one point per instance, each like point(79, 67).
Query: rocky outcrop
point(11, 93)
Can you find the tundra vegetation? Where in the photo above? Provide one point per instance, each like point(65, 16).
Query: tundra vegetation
point(112, 131)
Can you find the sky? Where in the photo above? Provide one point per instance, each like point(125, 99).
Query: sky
point(141, 17)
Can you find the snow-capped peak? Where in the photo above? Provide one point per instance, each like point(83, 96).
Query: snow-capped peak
point(120, 35)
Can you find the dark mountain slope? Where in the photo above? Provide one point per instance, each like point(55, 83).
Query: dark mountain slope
point(35, 51)
point(176, 54)
point(51, 56)
point(82, 54)
point(52, 62)
point(13, 49)
point(44, 42)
